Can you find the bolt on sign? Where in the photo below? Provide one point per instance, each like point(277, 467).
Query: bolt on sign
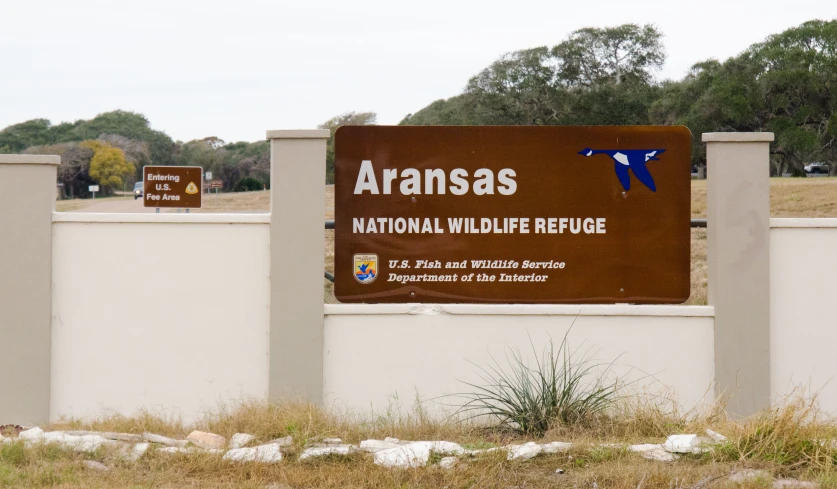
point(512, 214)
point(172, 186)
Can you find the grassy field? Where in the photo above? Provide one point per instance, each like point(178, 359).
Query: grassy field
point(76, 204)
point(786, 442)
point(789, 197)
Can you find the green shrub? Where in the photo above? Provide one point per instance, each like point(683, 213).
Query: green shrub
point(248, 184)
point(558, 390)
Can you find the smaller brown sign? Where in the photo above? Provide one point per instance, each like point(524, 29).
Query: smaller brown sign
point(172, 186)
point(216, 184)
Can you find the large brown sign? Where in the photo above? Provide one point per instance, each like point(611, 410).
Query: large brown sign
point(172, 186)
point(512, 214)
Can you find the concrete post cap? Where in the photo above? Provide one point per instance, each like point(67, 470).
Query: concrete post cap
point(299, 134)
point(737, 137)
point(30, 159)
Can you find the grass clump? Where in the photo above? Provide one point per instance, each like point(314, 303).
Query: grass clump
point(560, 389)
point(792, 437)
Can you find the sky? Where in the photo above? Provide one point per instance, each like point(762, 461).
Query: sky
point(235, 69)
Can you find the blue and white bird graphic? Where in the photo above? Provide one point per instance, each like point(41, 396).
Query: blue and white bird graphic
point(635, 159)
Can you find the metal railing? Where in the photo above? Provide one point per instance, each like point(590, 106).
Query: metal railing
point(696, 223)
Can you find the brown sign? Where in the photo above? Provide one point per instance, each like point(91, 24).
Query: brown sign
point(512, 214)
point(216, 184)
point(172, 186)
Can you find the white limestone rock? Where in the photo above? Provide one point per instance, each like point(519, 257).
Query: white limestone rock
point(269, 453)
point(409, 455)
point(332, 441)
point(135, 452)
point(556, 447)
point(207, 441)
point(239, 440)
point(749, 475)
point(126, 437)
point(394, 441)
point(646, 447)
point(94, 465)
point(447, 462)
point(83, 443)
point(716, 437)
point(660, 455)
point(151, 437)
point(33, 434)
point(447, 447)
point(282, 442)
point(373, 446)
point(524, 452)
point(482, 451)
point(794, 484)
point(321, 451)
point(184, 450)
point(684, 444)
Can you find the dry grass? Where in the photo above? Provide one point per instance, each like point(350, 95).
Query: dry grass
point(71, 205)
point(252, 202)
point(788, 441)
point(789, 197)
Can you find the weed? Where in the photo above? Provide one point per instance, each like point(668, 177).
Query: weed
point(561, 389)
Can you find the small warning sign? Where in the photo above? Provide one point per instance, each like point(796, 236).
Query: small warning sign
point(172, 186)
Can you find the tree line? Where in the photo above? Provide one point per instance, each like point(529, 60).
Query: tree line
point(786, 84)
point(111, 149)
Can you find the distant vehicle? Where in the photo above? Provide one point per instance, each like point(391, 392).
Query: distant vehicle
point(137, 190)
point(816, 168)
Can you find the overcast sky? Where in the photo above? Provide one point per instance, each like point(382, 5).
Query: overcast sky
point(234, 69)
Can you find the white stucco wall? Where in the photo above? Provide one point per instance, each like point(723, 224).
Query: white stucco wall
point(803, 308)
point(163, 312)
point(377, 353)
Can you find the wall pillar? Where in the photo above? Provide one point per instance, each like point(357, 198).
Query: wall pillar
point(297, 234)
point(738, 256)
point(27, 197)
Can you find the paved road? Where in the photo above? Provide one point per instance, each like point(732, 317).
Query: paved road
point(117, 206)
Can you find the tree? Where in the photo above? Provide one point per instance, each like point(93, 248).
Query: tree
point(108, 165)
point(136, 152)
point(593, 56)
point(798, 79)
point(18, 137)
point(454, 111)
point(347, 119)
point(595, 76)
point(786, 84)
point(519, 88)
point(73, 170)
point(132, 126)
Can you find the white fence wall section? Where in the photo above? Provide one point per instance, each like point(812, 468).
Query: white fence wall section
point(375, 352)
point(158, 312)
point(803, 308)
point(172, 312)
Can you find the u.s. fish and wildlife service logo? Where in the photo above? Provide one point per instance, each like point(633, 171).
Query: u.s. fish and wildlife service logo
point(366, 267)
